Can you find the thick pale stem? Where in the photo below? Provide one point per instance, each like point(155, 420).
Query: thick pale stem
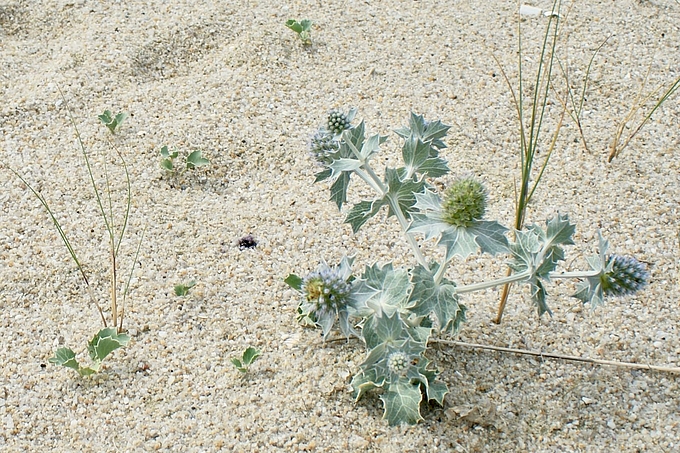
point(493, 283)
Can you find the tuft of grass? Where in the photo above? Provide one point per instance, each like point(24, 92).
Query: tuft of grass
point(531, 113)
point(111, 337)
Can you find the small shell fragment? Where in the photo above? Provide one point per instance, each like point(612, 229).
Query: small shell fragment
point(526, 10)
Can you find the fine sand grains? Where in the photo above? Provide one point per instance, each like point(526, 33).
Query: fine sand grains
point(230, 79)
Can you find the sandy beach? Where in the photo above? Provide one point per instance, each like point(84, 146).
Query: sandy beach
point(229, 79)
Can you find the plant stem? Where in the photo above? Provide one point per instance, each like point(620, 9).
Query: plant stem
point(636, 366)
point(512, 278)
point(372, 179)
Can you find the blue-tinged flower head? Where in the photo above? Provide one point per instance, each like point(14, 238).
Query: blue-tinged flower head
point(322, 146)
point(326, 290)
point(464, 202)
point(623, 275)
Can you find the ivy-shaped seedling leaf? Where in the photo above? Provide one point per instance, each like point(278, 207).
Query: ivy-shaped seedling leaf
point(110, 121)
point(168, 158)
point(101, 345)
point(247, 358)
point(302, 28)
point(105, 342)
point(182, 290)
point(195, 160)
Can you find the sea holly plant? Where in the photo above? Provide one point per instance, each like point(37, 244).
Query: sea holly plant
point(194, 160)
point(395, 311)
point(112, 335)
point(111, 121)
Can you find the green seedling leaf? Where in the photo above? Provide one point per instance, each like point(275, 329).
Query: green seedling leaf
point(105, 342)
point(302, 28)
point(183, 289)
point(294, 25)
point(247, 358)
point(294, 282)
point(196, 160)
point(65, 357)
point(112, 122)
point(250, 355)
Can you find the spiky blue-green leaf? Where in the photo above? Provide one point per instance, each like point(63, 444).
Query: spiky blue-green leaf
point(339, 189)
point(402, 403)
point(439, 298)
point(402, 191)
point(381, 290)
point(362, 212)
point(427, 131)
point(418, 159)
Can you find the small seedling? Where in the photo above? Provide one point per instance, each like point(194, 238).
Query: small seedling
point(102, 344)
point(247, 358)
point(193, 160)
point(302, 28)
point(183, 289)
point(112, 122)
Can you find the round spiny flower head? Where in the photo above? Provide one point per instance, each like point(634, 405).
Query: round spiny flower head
point(398, 363)
point(322, 146)
point(464, 202)
point(337, 122)
point(326, 291)
point(627, 276)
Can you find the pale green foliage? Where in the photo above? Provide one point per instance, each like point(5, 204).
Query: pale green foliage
point(112, 122)
point(101, 345)
point(247, 358)
point(394, 311)
point(182, 290)
point(193, 160)
point(302, 28)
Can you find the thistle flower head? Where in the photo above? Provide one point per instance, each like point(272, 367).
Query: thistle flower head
point(322, 146)
point(326, 291)
point(338, 122)
point(623, 275)
point(398, 363)
point(464, 202)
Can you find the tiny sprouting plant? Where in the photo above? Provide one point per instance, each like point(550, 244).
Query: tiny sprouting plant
point(112, 336)
point(193, 160)
point(247, 358)
point(182, 289)
point(395, 311)
point(112, 122)
point(302, 28)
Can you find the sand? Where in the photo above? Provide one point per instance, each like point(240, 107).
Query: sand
point(229, 79)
